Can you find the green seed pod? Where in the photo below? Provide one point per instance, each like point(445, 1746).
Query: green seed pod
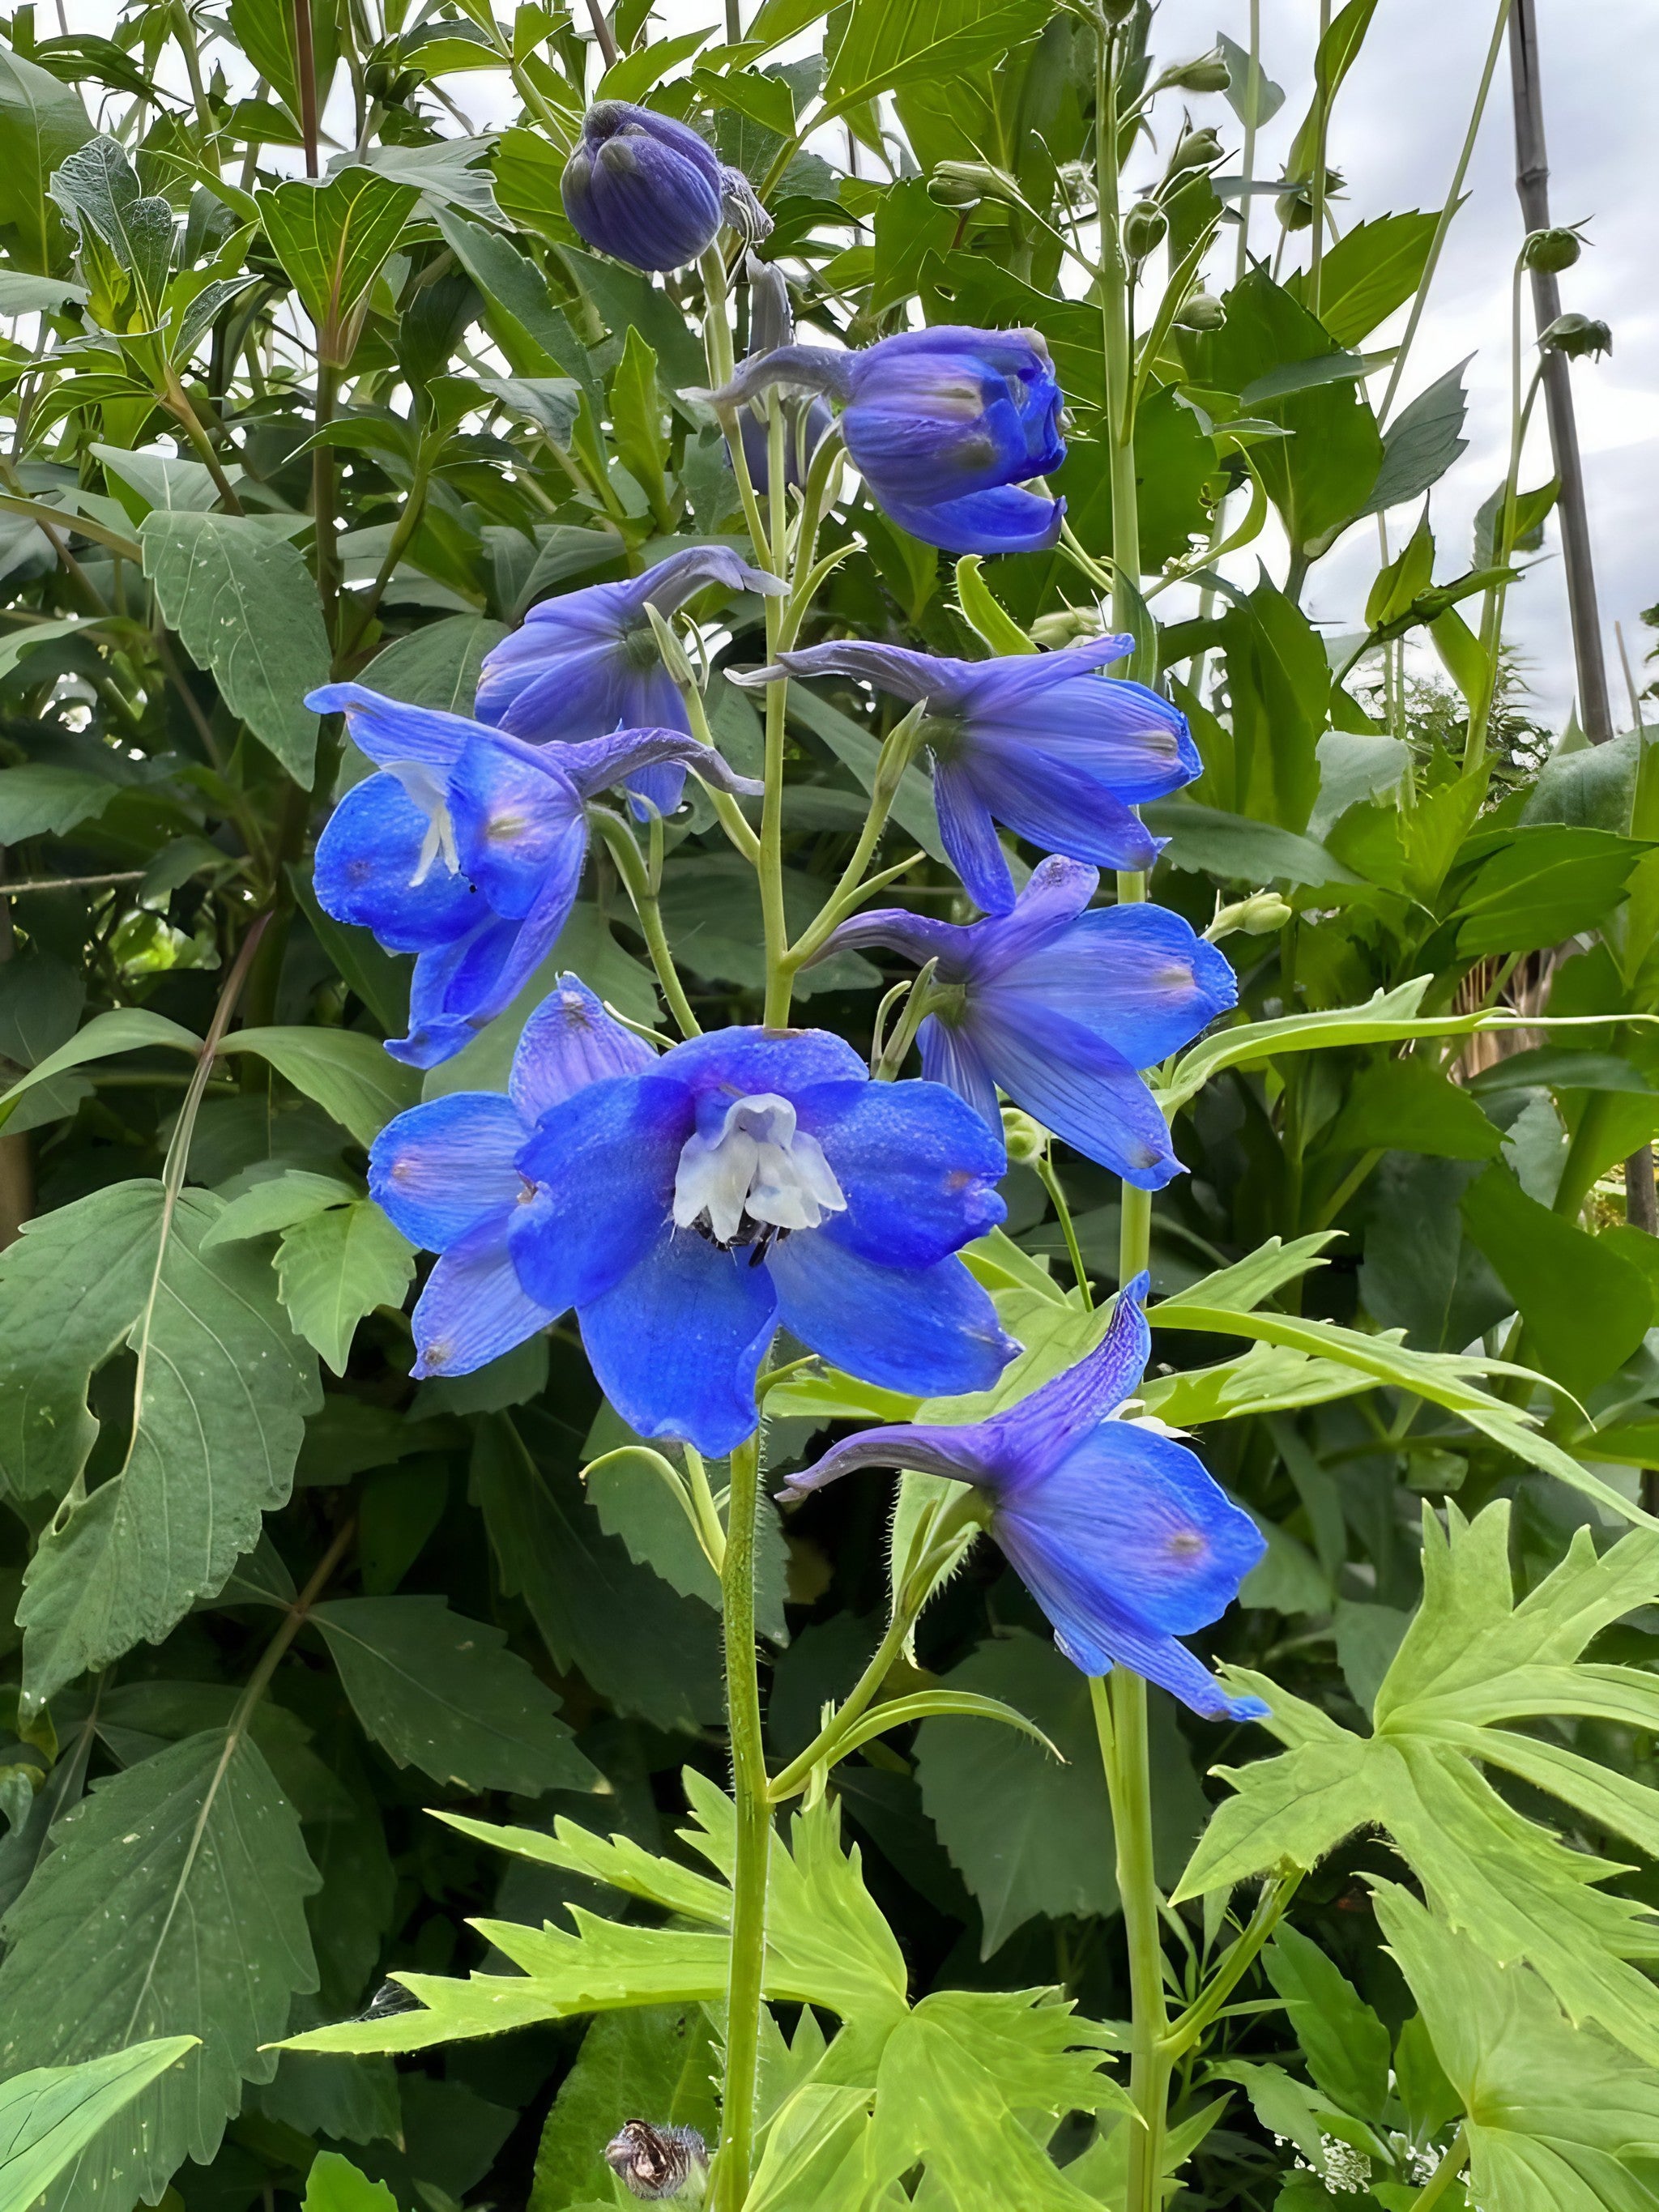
point(1027, 1140)
point(965, 183)
point(1200, 311)
point(1194, 150)
point(1577, 335)
point(1144, 228)
point(1208, 73)
point(1259, 915)
point(1552, 251)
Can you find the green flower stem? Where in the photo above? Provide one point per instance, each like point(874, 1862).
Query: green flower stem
point(1322, 134)
point(636, 880)
point(1051, 1184)
point(735, 2161)
point(1234, 1964)
point(1119, 1708)
point(1451, 2165)
point(710, 1532)
point(1115, 341)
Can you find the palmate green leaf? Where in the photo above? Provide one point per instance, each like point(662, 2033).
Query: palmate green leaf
point(351, 1077)
point(172, 1905)
point(1471, 1659)
point(240, 598)
point(221, 1394)
point(888, 43)
point(1555, 2112)
point(827, 1942)
point(335, 1267)
point(48, 2117)
point(444, 1693)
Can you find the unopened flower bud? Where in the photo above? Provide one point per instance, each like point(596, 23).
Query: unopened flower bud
point(1194, 150)
point(1295, 208)
point(1200, 311)
point(1144, 227)
point(1552, 251)
point(1066, 626)
point(1208, 73)
point(1259, 915)
point(1027, 1140)
point(965, 183)
point(1577, 335)
point(649, 190)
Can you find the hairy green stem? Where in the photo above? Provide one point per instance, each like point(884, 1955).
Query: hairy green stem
point(754, 1836)
point(642, 891)
point(1120, 1709)
point(1451, 2165)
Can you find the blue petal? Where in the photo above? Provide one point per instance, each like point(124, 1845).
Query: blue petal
point(568, 1042)
point(1082, 1089)
point(1003, 520)
point(1137, 977)
point(969, 834)
point(930, 1331)
point(462, 970)
point(517, 818)
point(441, 1169)
point(1130, 1519)
point(1056, 893)
point(392, 730)
point(566, 690)
point(950, 1056)
point(656, 790)
point(1057, 805)
point(472, 1309)
point(917, 936)
point(1117, 732)
point(1097, 1644)
point(676, 1345)
point(1026, 1442)
point(917, 1167)
point(958, 1455)
point(596, 764)
point(750, 1060)
point(367, 857)
point(605, 1160)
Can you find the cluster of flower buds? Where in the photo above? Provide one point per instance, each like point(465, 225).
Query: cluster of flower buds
point(1577, 335)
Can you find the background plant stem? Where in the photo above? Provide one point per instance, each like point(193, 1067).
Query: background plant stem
point(754, 1835)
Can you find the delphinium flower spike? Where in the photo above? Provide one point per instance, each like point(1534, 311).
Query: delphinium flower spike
point(1118, 1532)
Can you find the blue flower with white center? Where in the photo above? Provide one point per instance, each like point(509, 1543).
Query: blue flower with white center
point(945, 425)
point(1041, 742)
point(1117, 1531)
point(586, 663)
point(445, 1173)
point(649, 190)
point(467, 848)
point(1060, 1007)
point(751, 1178)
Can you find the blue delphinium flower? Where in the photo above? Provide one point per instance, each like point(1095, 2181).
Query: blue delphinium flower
point(467, 849)
point(1118, 1532)
point(1041, 742)
point(944, 425)
point(649, 190)
point(587, 662)
point(445, 1173)
point(748, 1178)
point(1060, 1007)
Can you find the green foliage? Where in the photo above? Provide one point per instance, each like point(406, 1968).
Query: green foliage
point(48, 2116)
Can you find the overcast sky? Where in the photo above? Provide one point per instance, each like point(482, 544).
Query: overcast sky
point(1398, 126)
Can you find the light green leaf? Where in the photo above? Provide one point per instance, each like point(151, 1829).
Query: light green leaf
point(335, 1267)
point(351, 1077)
point(1204, 840)
point(239, 597)
point(1422, 442)
point(161, 480)
point(636, 411)
point(222, 1392)
point(985, 615)
point(933, 1704)
point(35, 782)
point(1554, 2110)
point(889, 43)
point(1587, 1307)
point(129, 1028)
point(264, 32)
point(531, 330)
point(1345, 2045)
point(278, 1204)
point(1409, 1106)
point(332, 237)
point(1368, 271)
point(48, 2117)
point(174, 1904)
point(334, 2184)
point(444, 1694)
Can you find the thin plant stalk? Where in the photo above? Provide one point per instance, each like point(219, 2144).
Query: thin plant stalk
point(735, 2162)
point(1322, 96)
point(1252, 103)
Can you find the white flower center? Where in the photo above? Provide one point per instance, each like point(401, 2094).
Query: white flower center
point(426, 790)
point(757, 1173)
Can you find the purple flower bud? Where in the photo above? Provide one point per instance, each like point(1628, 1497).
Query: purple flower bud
point(650, 191)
